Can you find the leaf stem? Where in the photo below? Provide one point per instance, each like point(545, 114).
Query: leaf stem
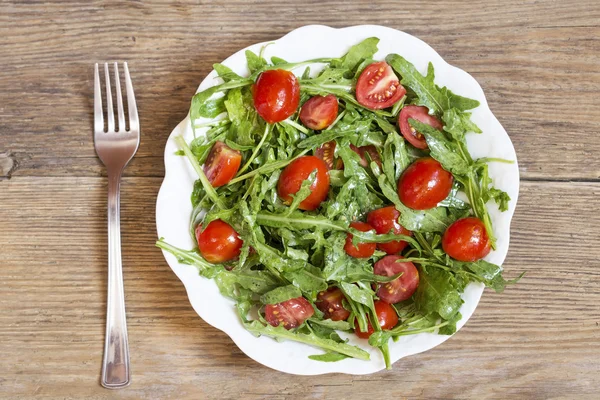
point(256, 149)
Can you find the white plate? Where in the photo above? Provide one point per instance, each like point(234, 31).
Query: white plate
point(173, 206)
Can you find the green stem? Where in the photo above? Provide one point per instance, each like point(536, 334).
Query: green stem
point(267, 168)
point(188, 256)
point(494, 159)
point(339, 117)
point(256, 149)
point(295, 125)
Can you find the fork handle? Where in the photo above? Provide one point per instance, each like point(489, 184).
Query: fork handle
point(115, 365)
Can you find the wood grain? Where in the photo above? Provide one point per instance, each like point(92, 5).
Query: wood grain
point(538, 64)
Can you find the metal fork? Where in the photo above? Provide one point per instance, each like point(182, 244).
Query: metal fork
point(115, 148)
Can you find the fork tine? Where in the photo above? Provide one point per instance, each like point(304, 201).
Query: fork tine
point(110, 112)
point(98, 117)
point(121, 113)
point(134, 123)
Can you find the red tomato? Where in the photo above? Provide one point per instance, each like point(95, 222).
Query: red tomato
point(218, 242)
point(421, 114)
point(295, 173)
point(424, 184)
point(385, 220)
point(363, 151)
point(222, 164)
point(386, 315)
point(466, 240)
point(401, 288)
point(361, 250)
point(319, 112)
point(276, 95)
point(291, 313)
point(326, 152)
point(378, 86)
point(330, 303)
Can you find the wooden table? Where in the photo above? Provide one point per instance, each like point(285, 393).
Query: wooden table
point(538, 62)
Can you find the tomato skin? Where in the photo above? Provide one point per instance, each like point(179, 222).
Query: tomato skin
point(466, 240)
point(295, 173)
point(362, 151)
point(218, 242)
point(330, 303)
point(361, 250)
point(386, 315)
point(276, 95)
point(424, 184)
point(326, 152)
point(222, 164)
point(291, 313)
point(385, 220)
point(378, 86)
point(319, 112)
point(401, 288)
point(421, 114)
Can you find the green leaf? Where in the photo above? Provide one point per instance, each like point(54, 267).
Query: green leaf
point(255, 63)
point(330, 356)
point(457, 123)
point(226, 73)
point(190, 257)
point(280, 294)
point(328, 323)
point(438, 292)
point(356, 54)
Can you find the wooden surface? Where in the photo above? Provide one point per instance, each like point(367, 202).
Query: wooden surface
point(539, 65)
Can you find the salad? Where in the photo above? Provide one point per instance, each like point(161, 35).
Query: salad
point(339, 201)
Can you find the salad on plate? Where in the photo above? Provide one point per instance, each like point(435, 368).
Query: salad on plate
point(339, 202)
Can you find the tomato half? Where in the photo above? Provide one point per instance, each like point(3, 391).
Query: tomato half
point(424, 184)
point(385, 220)
point(330, 303)
point(218, 242)
point(361, 250)
point(326, 152)
point(420, 114)
point(291, 313)
point(378, 86)
point(295, 173)
point(222, 164)
point(319, 112)
point(466, 240)
point(276, 95)
point(386, 315)
point(401, 288)
point(362, 151)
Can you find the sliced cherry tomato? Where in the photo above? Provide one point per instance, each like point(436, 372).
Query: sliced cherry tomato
point(319, 112)
point(466, 240)
point(386, 315)
point(424, 184)
point(330, 303)
point(421, 114)
point(291, 313)
point(276, 95)
point(222, 164)
point(218, 242)
point(378, 86)
point(363, 151)
point(295, 173)
point(361, 250)
point(401, 288)
point(385, 220)
point(326, 152)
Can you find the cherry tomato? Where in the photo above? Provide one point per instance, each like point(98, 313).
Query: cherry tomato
point(385, 220)
point(326, 152)
point(386, 315)
point(218, 242)
point(363, 151)
point(291, 313)
point(378, 86)
point(401, 288)
point(424, 184)
point(421, 114)
point(222, 164)
point(330, 303)
point(276, 95)
point(295, 173)
point(361, 250)
point(319, 112)
point(466, 240)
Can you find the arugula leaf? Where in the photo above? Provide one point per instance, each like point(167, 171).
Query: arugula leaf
point(190, 257)
point(458, 123)
point(330, 356)
point(255, 63)
point(356, 54)
point(438, 292)
point(280, 294)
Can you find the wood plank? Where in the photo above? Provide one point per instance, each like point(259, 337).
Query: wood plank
point(532, 59)
point(540, 339)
